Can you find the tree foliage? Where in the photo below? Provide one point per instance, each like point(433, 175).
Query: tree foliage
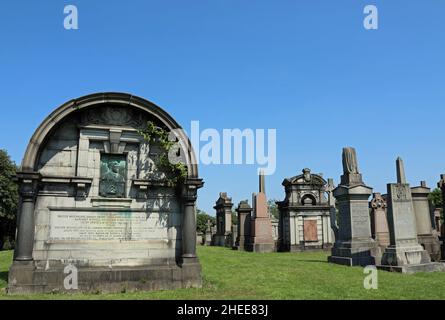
point(273, 208)
point(176, 172)
point(8, 198)
point(436, 198)
point(201, 221)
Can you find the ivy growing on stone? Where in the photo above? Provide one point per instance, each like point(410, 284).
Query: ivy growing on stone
point(176, 172)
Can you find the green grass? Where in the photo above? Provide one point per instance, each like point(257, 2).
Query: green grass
point(243, 275)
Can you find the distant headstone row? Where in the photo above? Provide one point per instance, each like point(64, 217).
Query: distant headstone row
point(396, 231)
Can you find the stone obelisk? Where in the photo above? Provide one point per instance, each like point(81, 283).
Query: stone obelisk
point(261, 233)
point(354, 245)
point(404, 254)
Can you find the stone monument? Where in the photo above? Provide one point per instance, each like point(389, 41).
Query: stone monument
point(261, 239)
point(423, 211)
point(404, 254)
point(441, 186)
point(223, 209)
point(244, 211)
point(354, 245)
point(94, 200)
point(234, 236)
point(208, 235)
point(305, 217)
point(330, 187)
point(379, 222)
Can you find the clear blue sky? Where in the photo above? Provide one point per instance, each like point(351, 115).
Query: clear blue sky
point(307, 68)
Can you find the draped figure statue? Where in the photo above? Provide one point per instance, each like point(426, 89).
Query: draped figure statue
point(350, 161)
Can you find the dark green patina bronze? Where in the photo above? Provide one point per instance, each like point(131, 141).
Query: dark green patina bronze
point(113, 172)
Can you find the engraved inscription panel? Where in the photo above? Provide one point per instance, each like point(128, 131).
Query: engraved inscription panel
point(123, 226)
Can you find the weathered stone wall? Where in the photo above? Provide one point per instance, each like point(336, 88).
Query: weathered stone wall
point(140, 228)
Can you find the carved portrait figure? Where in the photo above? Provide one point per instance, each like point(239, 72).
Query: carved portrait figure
point(350, 165)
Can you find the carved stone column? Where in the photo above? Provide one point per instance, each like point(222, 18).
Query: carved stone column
point(190, 191)
point(25, 232)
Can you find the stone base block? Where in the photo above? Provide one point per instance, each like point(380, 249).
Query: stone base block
point(414, 268)
point(221, 240)
point(431, 244)
point(354, 253)
point(300, 248)
point(352, 261)
point(26, 279)
point(405, 255)
point(261, 247)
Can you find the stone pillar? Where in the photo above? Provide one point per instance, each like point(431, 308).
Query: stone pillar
point(191, 187)
point(333, 235)
point(234, 236)
point(422, 211)
point(441, 185)
point(244, 211)
point(354, 245)
point(223, 209)
point(25, 228)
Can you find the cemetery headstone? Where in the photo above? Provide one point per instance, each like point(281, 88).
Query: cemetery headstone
point(379, 226)
point(223, 209)
point(423, 210)
point(244, 211)
point(354, 245)
point(261, 239)
point(404, 254)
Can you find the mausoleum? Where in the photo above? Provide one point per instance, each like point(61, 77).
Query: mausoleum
point(305, 214)
point(96, 201)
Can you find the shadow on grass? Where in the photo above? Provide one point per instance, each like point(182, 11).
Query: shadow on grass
point(4, 276)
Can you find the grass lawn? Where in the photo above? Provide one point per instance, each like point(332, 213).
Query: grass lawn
point(242, 275)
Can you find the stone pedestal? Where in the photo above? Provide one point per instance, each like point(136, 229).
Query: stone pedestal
point(354, 246)
point(422, 211)
point(261, 235)
point(405, 254)
point(223, 209)
point(244, 211)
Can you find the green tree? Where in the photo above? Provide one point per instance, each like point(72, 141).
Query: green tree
point(273, 208)
point(436, 198)
point(201, 221)
point(8, 199)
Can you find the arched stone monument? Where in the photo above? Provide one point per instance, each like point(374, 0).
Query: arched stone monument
point(94, 200)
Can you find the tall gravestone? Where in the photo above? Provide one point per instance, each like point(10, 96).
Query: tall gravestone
point(441, 186)
point(404, 254)
point(379, 224)
point(330, 187)
point(354, 245)
point(223, 209)
point(244, 211)
point(94, 201)
point(423, 212)
point(261, 239)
